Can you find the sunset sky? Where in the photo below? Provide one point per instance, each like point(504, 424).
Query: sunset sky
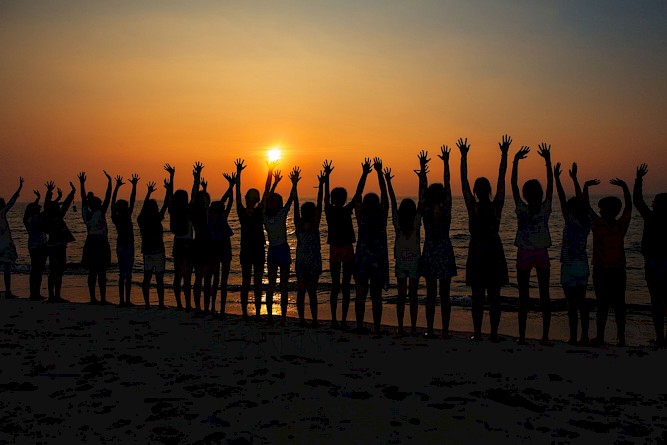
point(128, 86)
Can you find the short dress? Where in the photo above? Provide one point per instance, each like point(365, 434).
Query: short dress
point(308, 255)
point(486, 266)
point(96, 249)
point(371, 258)
point(437, 259)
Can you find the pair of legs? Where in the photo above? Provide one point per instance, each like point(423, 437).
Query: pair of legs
point(153, 263)
point(125, 265)
point(609, 285)
point(340, 286)
point(523, 278)
point(362, 289)
point(97, 275)
point(445, 304)
point(656, 279)
point(37, 266)
point(576, 302)
point(220, 278)
point(273, 269)
point(251, 271)
point(478, 295)
point(7, 267)
point(182, 280)
point(407, 289)
point(309, 285)
point(57, 261)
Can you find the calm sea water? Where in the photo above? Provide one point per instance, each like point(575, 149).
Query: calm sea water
point(636, 288)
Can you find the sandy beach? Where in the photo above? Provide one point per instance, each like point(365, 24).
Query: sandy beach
point(74, 373)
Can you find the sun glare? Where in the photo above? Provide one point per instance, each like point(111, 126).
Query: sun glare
point(274, 154)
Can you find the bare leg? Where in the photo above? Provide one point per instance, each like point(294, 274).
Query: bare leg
point(523, 278)
point(312, 294)
point(334, 266)
point(545, 301)
point(284, 291)
point(159, 280)
point(413, 285)
point(431, 295)
point(145, 285)
point(348, 267)
point(400, 302)
point(224, 277)
point(360, 304)
point(376, 299)
point(445, 305)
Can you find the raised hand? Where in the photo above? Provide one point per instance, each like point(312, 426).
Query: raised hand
point(591, 182)
point(59, 195)
point(239, 165)
point(557, 170)
point(197, 168)
point(366, 166)
point(272, 165)
point(387, 174)
point(119, 181)
point(277, 177)
point(203, 183)
point(166, 184)
point(231, 178)
point(322, 177)
point(377, 164)
point(544, 150)
point(71, 184)
point(522, 153)
point(463, 145)
point(444, 153)
point(642, 170)
point(618, 182)
point(20, 181)
point(505, 144)
point(50, 186)
point(82, 177)
point(151, 186)
point(573, 171)
point(328, 168)
point(171, 170)
point(134, 179)
point(423, 158)
point(107, 175)
point(36, 192)
point(294, 175)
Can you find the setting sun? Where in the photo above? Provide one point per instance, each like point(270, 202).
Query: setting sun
point(274, 154)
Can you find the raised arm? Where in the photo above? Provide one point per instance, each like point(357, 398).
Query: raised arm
point(37, 196)
point(468, 197)
point(267, 186)
point(82, 184)
point(321, 179)
point(392, 196)
point(627, 210)
point(294, 195)
point(68, 200)
point(119, 183)
point(366, 168)
point(107, 193)
point(15, 196)
point(133, 195)
point(384, 197)
point(50, 186)
point(150, 188)
point(575, 179)
point(168, 192)
point(521, 154)
point(444, 155)
point(228, 198)
point(422, 173)
point(196, 180)
point(562, 198)
point(638, 193)
point(587, 200)
point(294, 177)
point(327, 173)
point(277, 177)
point(499, 198)
point(239, 168)
point(544, 150)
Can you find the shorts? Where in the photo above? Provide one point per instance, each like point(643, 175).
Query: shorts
point(154, 262)
point(574, 274)
point(252, 256)
point(278, 257)
point(125, 261)
point(527, 259)
point(341, 254)
point(407, 269)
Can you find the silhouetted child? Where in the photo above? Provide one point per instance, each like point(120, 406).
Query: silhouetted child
point(59, 234)
point(574, 269)
point(252, 253)
point(221, 244)
point(152, 241)
point(278, 257)
point(32, 220)
point(437, 260)
point(486, 268)
point(7, 248)
point(371, 260)
point(96, 250)
point(407, 246)
point(121, 216)
point(533, 240)
point(341, 238)
point(308, 251)
point(202, 259)
point(654, 249)
point(609, 276)
point(180, 223)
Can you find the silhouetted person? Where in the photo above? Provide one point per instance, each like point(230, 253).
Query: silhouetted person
point(533, 240)
point(437, 263)
point(53, 220)
point(32, 220)
point(609, 276)
point(486, 268)
point(152, 241)
point(96, 250)
point(180, 223)
point(654, 249)
point(221, 244)
point(252, 253)
point(371, 260)
point(121, 216)
point(574, 269)
point(341, 238)
point(308, 250)
point(406, 220)
point(278, 257)
point(202, 258)
point(7, 248)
